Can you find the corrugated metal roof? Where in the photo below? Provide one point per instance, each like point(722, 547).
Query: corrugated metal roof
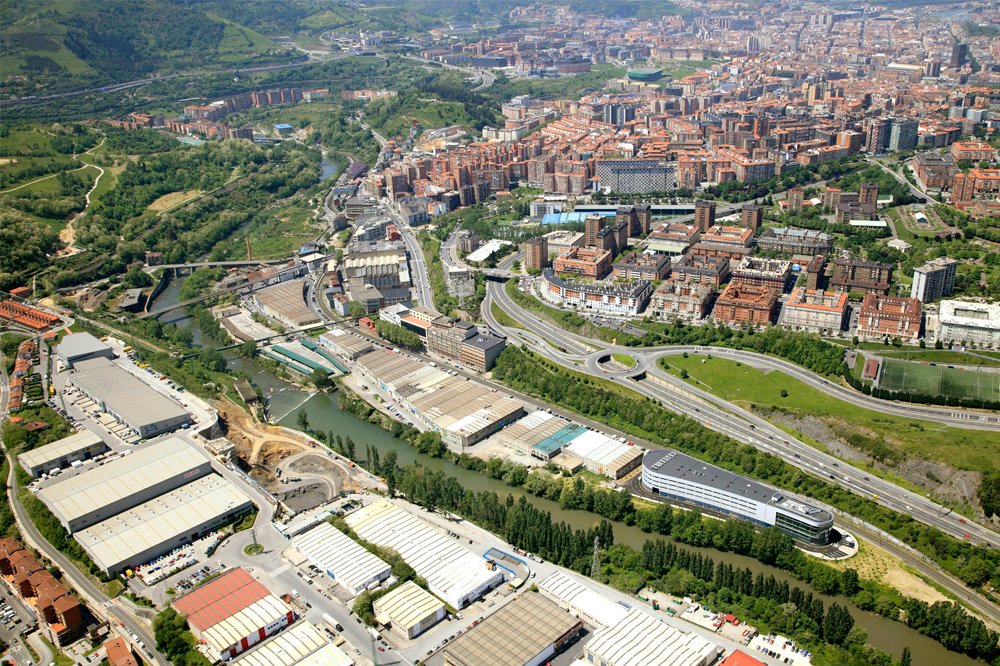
point(639, 639)
point(343, 558)
point(582, 599)
point(219, 599)
point(300, 645)
point(407, 605)
point(79, 441)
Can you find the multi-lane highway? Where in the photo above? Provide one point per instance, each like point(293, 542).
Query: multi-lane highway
point(724, 417)
point(549, 340)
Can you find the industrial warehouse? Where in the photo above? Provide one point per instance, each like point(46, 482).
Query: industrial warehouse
point(526, 632)
point(453, 573)
point(101, 492)
point(678, 476)
point(597, 611)
point(76, 448)
point(463, 412)
point(146, 411)
point(300, 645)
point(409, 609)
point(548, 437)
point(159, 525)
point(342, 558)
point(640, 638)
point(232, 612)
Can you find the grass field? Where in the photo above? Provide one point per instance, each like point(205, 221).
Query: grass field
point(945, 356)
point(899, 375)
point(744, 385)
point(170, 200)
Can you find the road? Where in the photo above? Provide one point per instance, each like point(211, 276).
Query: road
point(418, 266)
point(733, 421)
point(718, 414)
point(914, 190)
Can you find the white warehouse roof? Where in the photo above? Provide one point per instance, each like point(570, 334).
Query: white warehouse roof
point(72, 498)
point(597, 447)
point(79, 441)
point(341, 557)
point(161, 520)
point(406, 606)
point(302, 644)
point(244, 622)
point(588, 604)
point(452, 572)
point(640, 639)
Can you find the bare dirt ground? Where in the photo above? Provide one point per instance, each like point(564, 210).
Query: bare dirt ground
point(874, 563)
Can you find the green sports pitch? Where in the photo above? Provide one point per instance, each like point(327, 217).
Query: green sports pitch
point(939, 379)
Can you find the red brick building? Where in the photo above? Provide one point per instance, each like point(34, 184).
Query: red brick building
point(889, 316)
point(746, 304)
point(584, 261)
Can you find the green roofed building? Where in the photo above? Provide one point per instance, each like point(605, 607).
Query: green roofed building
point(645, 74)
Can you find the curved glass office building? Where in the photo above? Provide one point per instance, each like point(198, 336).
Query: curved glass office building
point(677, 476)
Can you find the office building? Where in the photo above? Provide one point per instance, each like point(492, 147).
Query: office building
point(933, 280)
point(959, 55)
point(680, 477)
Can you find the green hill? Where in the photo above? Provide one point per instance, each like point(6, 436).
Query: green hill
point(60, 44)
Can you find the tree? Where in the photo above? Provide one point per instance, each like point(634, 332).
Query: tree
point(137, 278)
point(302, 420)
point(320, 378)
point(784, 393)
point(684, 373)
point(247, 350)
point(905, 659)
point(349, 447)
point(837, 624)
point(938, 344)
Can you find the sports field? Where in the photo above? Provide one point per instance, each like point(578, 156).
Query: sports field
point(898, 375)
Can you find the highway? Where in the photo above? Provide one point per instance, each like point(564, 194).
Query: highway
point(733, 421)
point(418, 267)
point(718, 414)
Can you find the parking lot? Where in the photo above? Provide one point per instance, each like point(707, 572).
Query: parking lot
point(15, 617)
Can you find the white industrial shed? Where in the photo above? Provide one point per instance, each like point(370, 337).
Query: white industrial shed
point(453, 573)
point(342, 558)
point(101, 492)
point(161, 524)
point(640, 639)
point(604, 455)
point(410, 609)
point(300, 645)
point(80, 347)
point(596, 610)
point(61, 453)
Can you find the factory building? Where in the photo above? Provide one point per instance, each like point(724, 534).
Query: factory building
point(157, 526)
point(82, 347)
point(286, 304)
point(677, 476)
point(640, 638)
point(62, 453)
point(101, 492)
point(605, 455)
point(453, 573)
point(537, 434)
point(530, 629)
point(127, 398)
point(463, 412)
point(409, 610)
point(344, 344)
point(593, 608)
point(232, 612)
point(300, 645)
point(342, 558)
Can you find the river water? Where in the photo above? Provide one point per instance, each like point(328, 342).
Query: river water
point(285, 400)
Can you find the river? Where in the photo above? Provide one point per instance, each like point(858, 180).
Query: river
point(328, 166)
point(285, 400)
